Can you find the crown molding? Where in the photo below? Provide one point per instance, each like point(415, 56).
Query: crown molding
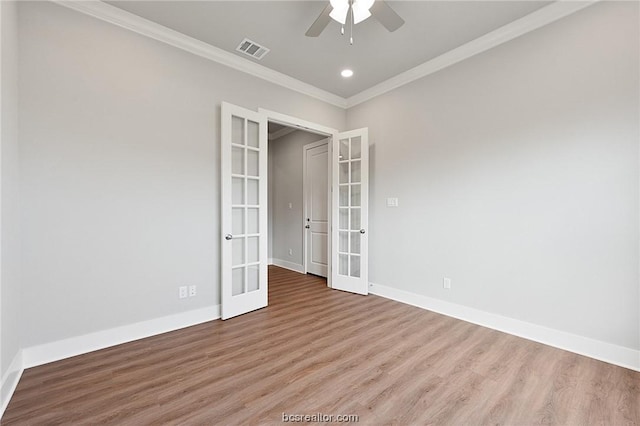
point(135, 23)
point(528, 23)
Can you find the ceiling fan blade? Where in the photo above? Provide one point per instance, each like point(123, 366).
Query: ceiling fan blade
point(386, 16)
point(321, 23)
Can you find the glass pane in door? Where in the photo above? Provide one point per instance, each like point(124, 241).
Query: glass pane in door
point(355, 171)
point(344, 150)
point(343, 245)
point(355, 266)
point(237, 190)
point(237, 160)
point(252, 192)
point(253, 134)
point(343, 264)
point(253, 278)
point(237, 220)
point(355, 220)
point(343, 219)
point(355, 242)
point(237, 130)
point(253, 249)
point(356, 147)
point(237, 251)
point(237, 281)
point(344, 195)
point(355, 195)
point(253, 220)
point(344, 173)
point(252, 162)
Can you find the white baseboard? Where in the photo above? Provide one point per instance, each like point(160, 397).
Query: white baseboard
point(66, 348)
point(296, 267)
point(10, 381)
point(603, 351)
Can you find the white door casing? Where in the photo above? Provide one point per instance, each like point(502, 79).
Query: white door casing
point(298, 123)
point(350, 208)
point(316, 207)
point(243, 158)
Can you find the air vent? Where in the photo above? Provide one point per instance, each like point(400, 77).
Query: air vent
point(253, 49)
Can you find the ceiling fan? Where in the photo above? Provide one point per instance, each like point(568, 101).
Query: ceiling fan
point(354, 12)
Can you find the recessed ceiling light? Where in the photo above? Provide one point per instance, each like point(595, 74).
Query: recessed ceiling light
point(346, 73)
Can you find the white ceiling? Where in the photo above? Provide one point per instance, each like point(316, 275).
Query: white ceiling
point(431, 29)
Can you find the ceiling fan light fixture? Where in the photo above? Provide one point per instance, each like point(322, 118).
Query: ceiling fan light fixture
point(340, 14)
point(361, 10)
point(338, 10)
point(341, 10)
point(360, 14)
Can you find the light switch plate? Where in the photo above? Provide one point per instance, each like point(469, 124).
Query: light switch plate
point(446, 283)
point(392, 202)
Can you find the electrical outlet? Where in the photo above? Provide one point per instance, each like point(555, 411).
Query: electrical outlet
point(192, 290)
point(182, 292)
point(446, 283)
point(392, 202)
point(290, 252)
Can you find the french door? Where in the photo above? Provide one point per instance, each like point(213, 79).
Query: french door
point(244, 210)
point(350, 211)
point(243, 158)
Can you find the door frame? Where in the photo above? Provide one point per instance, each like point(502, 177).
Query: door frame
point(305, 193)
point(308, 126)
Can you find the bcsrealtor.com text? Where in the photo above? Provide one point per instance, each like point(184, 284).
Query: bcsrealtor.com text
point(320, 418)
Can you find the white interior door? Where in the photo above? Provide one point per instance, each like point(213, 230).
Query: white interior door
point(316, 207)
point(243, 210)
point(350, 199)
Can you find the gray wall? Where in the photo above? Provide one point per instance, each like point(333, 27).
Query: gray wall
point(9, 200)
point(516, 171)
point(120, 165)
point(285, 186)
point(517, 176)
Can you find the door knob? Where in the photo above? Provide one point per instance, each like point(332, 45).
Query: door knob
point(307, 226)
point(362, 231)
point(228, 237)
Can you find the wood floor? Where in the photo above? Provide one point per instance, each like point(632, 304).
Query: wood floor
point(315, 350)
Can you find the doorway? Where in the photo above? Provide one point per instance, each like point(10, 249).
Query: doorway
point(298, 213)
point(244, 207)
point(315, 192)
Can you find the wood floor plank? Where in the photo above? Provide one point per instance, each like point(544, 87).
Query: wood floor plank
point(316, 350)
